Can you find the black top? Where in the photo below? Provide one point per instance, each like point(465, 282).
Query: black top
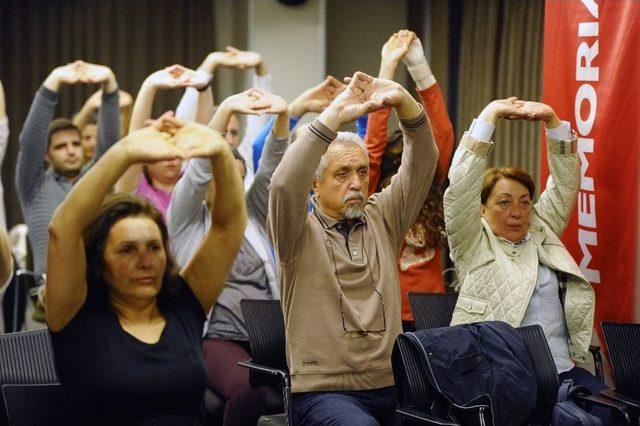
point(111, 377)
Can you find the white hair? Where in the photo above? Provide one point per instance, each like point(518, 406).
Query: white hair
point(343, 138)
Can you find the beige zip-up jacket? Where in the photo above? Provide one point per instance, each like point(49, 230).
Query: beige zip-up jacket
point(341, 299)
point(498, 278)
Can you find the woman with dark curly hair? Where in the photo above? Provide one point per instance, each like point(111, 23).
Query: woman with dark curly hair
point(419, 263)
point(126, 324)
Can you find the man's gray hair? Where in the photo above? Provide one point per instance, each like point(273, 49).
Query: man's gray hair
point(343, 138)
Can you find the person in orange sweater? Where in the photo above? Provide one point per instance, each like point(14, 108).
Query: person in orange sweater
point(419, 263)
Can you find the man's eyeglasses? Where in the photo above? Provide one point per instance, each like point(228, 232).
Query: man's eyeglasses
point(370, 316)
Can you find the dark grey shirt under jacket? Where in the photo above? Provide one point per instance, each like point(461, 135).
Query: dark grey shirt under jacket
point(42, 190)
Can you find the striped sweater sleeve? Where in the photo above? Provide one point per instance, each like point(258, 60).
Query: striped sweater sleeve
point(33, 145)
point(108, 122)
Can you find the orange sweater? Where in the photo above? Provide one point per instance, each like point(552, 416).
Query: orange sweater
point(419, 267)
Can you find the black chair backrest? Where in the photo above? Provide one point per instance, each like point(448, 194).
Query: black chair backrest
point(28, 280)
point(432, 310)
point(546, 372)
point(265, 326)
point(410, 376)
point(623, 344)
point(34, 405)
point(26, 357)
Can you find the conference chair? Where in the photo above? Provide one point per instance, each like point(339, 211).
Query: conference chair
point(23, 284)
point(623, 344)
point(432, 310)
point(34, 404)
point(268, 363)
point(549, 382)
point(26, 357)
point(414, 390)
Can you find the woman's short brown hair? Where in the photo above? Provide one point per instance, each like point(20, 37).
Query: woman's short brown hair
point(494, 174)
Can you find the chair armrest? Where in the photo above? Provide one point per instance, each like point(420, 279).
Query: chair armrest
point(597, 361)
point(424, 418)
point(618, 408)
point(283, 374)
point(617, 396)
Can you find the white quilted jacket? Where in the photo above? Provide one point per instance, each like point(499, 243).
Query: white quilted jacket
point(498, 278)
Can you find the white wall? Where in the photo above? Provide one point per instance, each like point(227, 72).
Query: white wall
point(291, 40)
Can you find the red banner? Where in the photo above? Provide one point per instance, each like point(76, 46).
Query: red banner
point(592, 79)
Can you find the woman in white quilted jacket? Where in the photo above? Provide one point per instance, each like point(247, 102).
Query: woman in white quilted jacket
point(506, 248)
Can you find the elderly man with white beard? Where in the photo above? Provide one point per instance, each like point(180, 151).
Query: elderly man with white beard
point(339, 284)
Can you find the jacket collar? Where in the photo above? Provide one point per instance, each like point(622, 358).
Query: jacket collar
point(519, 243)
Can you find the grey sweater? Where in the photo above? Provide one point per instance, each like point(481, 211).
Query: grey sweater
point(42, 190)
point(253, 274)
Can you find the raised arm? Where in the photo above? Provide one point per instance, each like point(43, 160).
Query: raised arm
point(67, 264)
point(558, 198)
point(242, 59)
point(109, 112)
point(126, 109)
point(462, 206)
point(403, 198)
point(92, 105)
point(33, 137)
point(205, 94)
point(207, 271)
point(376, 137)
point(314, 99)
point(432, 101)
point(175, 76)
point(291, 182)
point(188, 194)
point(197, 104)
point(276, 144)
point(261, 77)
point(6, 260)
point(317, 98)
point(250, 101)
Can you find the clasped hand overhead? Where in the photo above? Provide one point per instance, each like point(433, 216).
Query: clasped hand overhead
point(365, 94)
point(255, 102)
point(515, 109)
point(168, 138)
point(178, 76)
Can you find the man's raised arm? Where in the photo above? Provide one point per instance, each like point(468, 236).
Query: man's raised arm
point(291, 182)
point(109, 113)
point(33, 137)
point(403, 198)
